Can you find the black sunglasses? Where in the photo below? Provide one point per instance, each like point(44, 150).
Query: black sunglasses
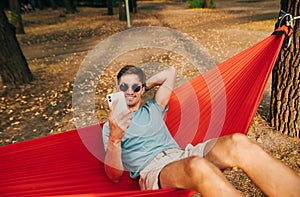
point(135, 87)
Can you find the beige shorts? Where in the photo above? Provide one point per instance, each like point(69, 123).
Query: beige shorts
point(149, 175)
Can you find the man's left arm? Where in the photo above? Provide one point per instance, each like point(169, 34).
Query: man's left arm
point(166, 82)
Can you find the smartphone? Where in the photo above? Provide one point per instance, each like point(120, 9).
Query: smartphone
point(121, 104)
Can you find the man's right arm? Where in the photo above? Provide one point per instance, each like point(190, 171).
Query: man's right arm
point(113, 158)
point(113, 163)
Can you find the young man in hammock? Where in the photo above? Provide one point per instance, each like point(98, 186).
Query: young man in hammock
point(139, 140)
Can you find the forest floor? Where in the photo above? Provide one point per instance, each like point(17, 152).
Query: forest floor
point(55, 45)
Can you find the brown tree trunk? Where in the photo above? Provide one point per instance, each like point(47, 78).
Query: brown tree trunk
point(16, 18)
point(13, 66)
point(285, 98)
point(110, 10)
point(53, 4)
point(132, 6)
point(40, 4)
point(209, 4)
point(70, 6)
point(122, 13)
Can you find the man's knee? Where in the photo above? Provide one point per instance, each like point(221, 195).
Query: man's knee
point(197, 166)
point(242, 146)
point(240, 142)
point(230, 150)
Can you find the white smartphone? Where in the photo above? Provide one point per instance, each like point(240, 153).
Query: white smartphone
point(121, 104)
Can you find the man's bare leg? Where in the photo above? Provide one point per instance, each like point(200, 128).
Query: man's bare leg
point(197, 174)
point(272, 176)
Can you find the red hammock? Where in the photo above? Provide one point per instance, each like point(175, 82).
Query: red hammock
point(222, 101)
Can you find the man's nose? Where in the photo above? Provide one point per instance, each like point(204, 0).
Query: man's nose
point(130, 91)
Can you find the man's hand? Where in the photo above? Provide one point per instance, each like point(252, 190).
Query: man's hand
point(166, 80)
point(118, 124)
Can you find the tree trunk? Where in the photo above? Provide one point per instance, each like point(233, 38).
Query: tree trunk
point(209, 4)
point(70, 6)
point(13, 66)
point(285, 96)
point(122, 13)
point(132, 6)
point(53, 4)
point(16, 18)
point(110, 10)
point(40, 4)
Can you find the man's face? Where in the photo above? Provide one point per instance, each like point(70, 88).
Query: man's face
point(131, 85)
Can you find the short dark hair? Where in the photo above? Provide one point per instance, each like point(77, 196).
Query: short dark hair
point(130, 69)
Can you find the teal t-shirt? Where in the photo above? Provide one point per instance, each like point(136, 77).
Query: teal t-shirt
point(147, 136)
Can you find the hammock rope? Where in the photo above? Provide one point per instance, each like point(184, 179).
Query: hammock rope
point(62, 164)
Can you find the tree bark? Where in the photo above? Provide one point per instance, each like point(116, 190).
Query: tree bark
point(14, 69)
point(122, 13)
point(209, 4)
point(132, 6)
point(53, 4)
point(285, 96)
point(40, 4)
point(70, 6)
point(110, 10)
point(16, 18)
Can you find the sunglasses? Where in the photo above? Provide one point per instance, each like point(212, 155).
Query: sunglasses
point(135, 87)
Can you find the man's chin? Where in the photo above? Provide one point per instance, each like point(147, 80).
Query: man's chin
point(130, 101)
point(131, 104)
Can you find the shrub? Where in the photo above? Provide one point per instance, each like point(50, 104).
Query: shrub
point(200, 4)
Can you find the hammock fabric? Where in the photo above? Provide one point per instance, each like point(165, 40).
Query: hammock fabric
point(220, 102)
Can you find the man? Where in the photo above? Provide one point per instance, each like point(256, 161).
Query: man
point(139, 140)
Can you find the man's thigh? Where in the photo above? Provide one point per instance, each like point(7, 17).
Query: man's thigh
point(175, 174)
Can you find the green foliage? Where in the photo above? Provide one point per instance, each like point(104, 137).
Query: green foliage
point(196, 3)
point(200, 4)
point(115, 3)
point(212, 4)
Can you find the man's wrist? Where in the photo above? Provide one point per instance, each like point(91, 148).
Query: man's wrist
point(114, 141)
point(113, 145)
